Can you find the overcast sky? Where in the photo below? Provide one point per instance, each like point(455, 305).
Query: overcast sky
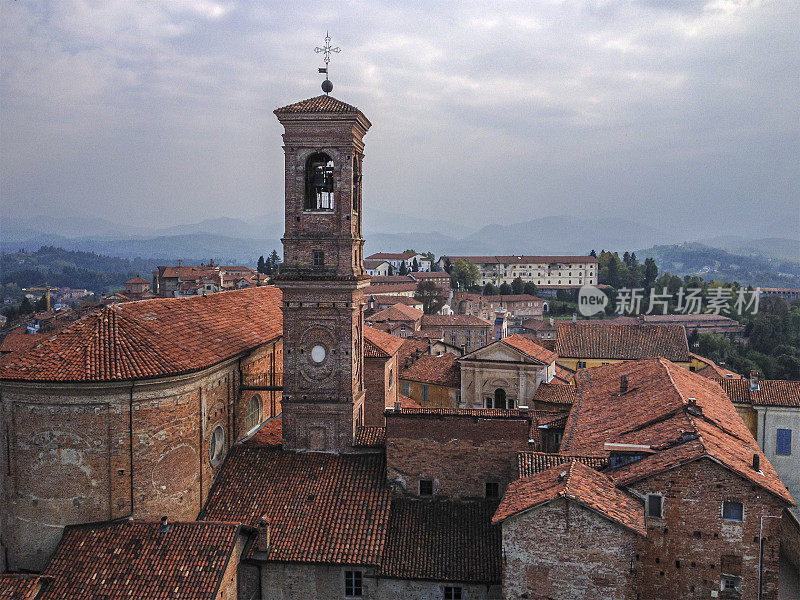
point(681, 114)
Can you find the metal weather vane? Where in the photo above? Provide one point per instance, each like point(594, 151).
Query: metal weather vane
point(326, 50)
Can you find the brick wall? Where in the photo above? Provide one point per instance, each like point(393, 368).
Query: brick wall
point(381, 384)
point(684, 552)
point(562, 551)
point(459, 453)
point(75, 451)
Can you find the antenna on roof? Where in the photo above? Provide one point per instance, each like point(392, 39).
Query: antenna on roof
point(326, 50)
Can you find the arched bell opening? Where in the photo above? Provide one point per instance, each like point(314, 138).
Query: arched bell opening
point(319, 182)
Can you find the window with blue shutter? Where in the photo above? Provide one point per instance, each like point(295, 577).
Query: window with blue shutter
point(783, 445)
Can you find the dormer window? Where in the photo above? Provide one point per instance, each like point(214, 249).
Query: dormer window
point(319, 182)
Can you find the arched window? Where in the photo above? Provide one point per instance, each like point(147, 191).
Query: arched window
point(255, 412)
point(319, 182)
point(216, 445)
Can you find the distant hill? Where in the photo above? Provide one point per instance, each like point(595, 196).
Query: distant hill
point(784, 248)
point(714, 263)
point(64, 268)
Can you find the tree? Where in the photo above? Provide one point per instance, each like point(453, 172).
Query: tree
point(505, 289)
point(464, 275)
point(26, 307)
point(274, 262)
point(390, 270)
point(693, 338)
point(261, 267)
point(431, 296)
point(490, 289)
point(518, 286)
point(414, 265)
point(530, 288)
point(448, 266)
point(650, 273)
point(403, 268)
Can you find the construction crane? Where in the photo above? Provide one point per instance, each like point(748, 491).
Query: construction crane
point(42, 288)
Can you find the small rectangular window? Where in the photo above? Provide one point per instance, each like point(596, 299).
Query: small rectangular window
point(424, 393)
point(783, 446)
point(731, 583)
point(319, 258)
point(452, 593)
point(492, 489)
point(655, 505)
point(426, 487)
point(581, 364)
point(406, 388)
point(732, 511)
point(352, 584)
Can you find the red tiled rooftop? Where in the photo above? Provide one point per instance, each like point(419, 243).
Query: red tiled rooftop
point(370, 437)
point(656, 411)
point(19, 586)
point(595, 339)
point(136, 280)
point(153, 338)
point(398, 312)
point(555, 393)
point(392, 256)
point(530, 463)
point(19, 342)
point(122, 559)
point(322, 508)
point(770, 392)
point(530, 348)
point(486, 413)
point(579, 483)
point(435, 370)
point(318, 104)
point(443, 540)
point(380, 344)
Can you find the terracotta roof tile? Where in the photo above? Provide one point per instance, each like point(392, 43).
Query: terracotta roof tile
point(318, 104)
point(529, 463)
point(389, 288)
point(398, 312)
point(530, 348)
point(122, 559)
point(406, 402)
point(770, 392)
point(563, 374)
point(441, 370)
point(370, 437)
point(595, 339)
point(579, 483)
point(19, 342)
point(392, 300)
point(17, 586)
point(443, 540)
point(392, 256)
point(136, 280)
point(555, 393)
point(380, 344)
point(486, 413)
point(658, 411)
point(153, 338)
point(322, 508)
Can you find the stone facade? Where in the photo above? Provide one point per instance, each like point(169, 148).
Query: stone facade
point(84, 452)
point(382, 383)
point(562, 550)
point(547, 271)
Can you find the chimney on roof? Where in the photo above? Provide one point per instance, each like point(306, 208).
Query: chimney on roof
point(397, 405)
point(562, 475)
point(180, 262)
point(211, 263)
point(756, 461)
point(623, 383)
point(165, 526)
point(430, 346)
point(463, 349)
point(552, 321)
point(754, 386)
point(574, 317)
point(263, 536)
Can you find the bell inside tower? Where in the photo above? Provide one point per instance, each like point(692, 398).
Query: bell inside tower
point(319, 182)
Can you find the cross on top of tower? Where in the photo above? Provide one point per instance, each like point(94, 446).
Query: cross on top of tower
point(326, 50)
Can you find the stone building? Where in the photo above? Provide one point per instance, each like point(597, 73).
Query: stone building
point(463, 331)
point(130, 411)
point(381, 374)
point(505, 374)
point(399, 319)
point(518, 306)
point(584, 344)
point(433, 381)
point(397, 259)
point(553, 272)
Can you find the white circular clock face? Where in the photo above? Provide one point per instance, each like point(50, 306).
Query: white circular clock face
point(318, 353)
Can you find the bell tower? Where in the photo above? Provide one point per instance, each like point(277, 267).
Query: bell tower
point(322, 276)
